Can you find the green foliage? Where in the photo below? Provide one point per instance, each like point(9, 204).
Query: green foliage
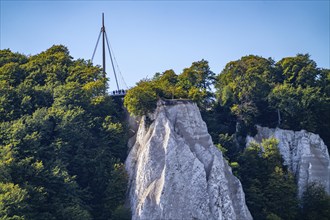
point(299, 107)
point(60, 137)
point(303, 99)
point(63, 140)
point(315, 203)
point(216, 114)
point(231, 147)
point(116, 192)
point(243, 87)
point(194, 83)
point(12, 201)
point(141, 99)
point(269, 187)
point(292, 94)
point(6, 56)
point(299, 70)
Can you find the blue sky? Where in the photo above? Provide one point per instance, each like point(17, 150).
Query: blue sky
point(153, 36)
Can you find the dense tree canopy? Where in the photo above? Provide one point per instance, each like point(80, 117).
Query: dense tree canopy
point(62, 139)
point(303, 97)
point(291, 94)
point(193, 83)
point(243, 87)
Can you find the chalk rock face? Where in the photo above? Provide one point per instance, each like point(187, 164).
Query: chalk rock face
point(175, 171)
point(303, 152)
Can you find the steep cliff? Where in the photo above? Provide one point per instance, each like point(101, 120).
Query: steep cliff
point(175, 172)
point(303, 152)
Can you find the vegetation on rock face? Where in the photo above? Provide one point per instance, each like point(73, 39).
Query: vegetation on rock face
point(269, 187)
point(62, 140)
point(193, 83)
point(291, 94)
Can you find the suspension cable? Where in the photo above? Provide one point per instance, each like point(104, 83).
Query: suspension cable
point(113, 67)
point(97, 43)
point(121, 76)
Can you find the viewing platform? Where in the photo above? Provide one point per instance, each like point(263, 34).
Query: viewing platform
point(105, 42)
point(120, 92)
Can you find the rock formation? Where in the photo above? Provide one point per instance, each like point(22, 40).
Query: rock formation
point(175, 171)
point(303, 152)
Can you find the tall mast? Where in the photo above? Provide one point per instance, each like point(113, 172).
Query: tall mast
point(103, 46)
point(105, 40)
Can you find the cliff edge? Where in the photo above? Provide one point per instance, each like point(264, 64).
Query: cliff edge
point(175, 171)
point(303, 152)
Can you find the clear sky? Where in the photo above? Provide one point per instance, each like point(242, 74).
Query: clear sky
point(153, 36)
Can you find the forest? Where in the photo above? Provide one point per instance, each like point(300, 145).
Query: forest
point(63, 139)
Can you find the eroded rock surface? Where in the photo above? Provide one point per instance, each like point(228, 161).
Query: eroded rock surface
point(303, 152)
point(176, 172)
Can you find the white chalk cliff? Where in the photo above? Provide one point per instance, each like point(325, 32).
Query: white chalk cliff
point(175, 172)
point(303, 152)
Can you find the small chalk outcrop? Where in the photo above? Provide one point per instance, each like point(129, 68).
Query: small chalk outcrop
point(303, 152)
point(176, 172)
